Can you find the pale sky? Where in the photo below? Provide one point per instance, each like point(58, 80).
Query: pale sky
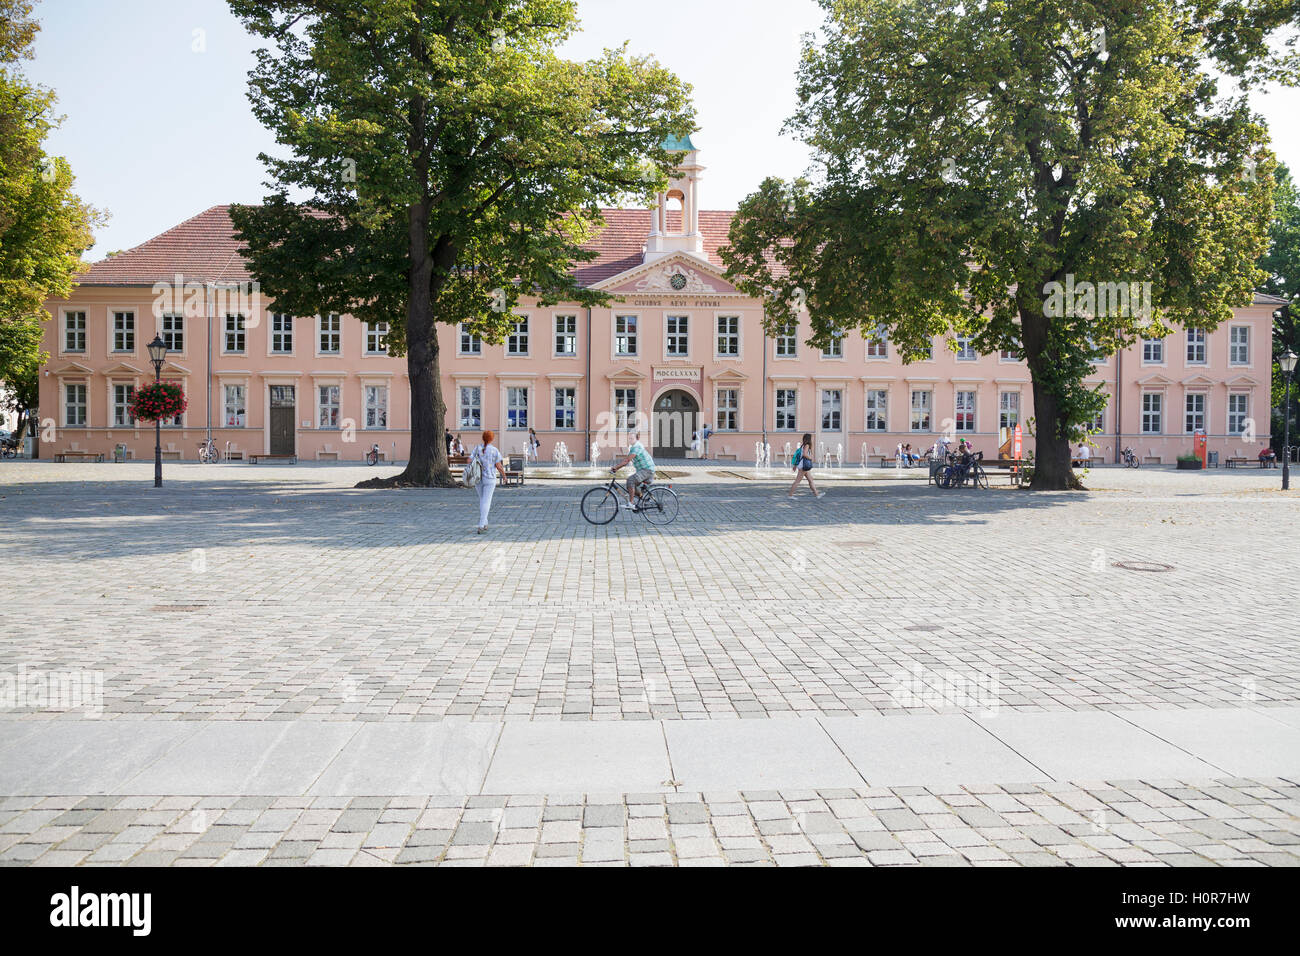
point(157, 131)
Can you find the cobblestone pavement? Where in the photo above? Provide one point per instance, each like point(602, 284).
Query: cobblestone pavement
point(1130, 823)
point(281, 593)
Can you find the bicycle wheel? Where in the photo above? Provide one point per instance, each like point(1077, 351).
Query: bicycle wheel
point(659, 505)
point(600, 506)
point(979, 477)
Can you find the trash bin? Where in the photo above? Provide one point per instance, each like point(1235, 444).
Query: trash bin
point(119, 452)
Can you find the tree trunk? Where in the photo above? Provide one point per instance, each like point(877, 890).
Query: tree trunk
point(1052, 470)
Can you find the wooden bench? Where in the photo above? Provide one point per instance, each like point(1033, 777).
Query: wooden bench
point(234, 454)
point(291, 459)
point(80, 455)
point(1235, 461)
point(514, 470)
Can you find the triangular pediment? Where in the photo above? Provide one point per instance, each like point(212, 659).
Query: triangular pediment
point(73, 368)
point(729, 375)
point(1199, 380)
point(1241, 381)
point(663, 276)
point(123, 368)
point(626, 372)
point(1156, 379)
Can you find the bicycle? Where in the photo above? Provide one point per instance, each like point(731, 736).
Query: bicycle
point(372, 456)
point(658, 503)
point(1128, 458)
point(963, 468)
point(208, 454)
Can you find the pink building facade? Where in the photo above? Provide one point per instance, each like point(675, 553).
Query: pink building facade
point(679, 348)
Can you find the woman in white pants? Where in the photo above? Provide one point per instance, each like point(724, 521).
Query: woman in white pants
point(489, 459)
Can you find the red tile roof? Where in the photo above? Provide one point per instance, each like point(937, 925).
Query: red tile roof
point(204, 249)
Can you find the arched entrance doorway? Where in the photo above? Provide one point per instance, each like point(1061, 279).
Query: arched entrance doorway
point(676, 416)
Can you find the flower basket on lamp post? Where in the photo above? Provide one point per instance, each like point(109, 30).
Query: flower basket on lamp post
point(158, 402)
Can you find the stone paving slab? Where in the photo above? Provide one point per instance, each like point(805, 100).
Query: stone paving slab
point(756, 755)
point(581, 757)
point(410, 758)
point(1239, 741)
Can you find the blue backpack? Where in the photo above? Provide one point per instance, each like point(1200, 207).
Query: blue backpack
point(798, 456)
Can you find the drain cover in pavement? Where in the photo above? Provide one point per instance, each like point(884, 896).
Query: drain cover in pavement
point(923, 627)
point(1143, 566)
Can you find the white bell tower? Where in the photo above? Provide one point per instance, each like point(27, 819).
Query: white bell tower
point(675, 217)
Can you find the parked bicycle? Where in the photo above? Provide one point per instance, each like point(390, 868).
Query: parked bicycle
point(963, 468)
point(208, 453)
point(9, 447)
point(372, 456)
point(658, 503)
point(1128, 458)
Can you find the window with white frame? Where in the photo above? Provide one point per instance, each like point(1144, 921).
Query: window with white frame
point(470, 407)
point(236, 333)
point(517, 340)
point(878, 344)
point(787, 408)
point(965, 350)
point(728, 405)
point(922, 403)
point(566, 408)
point(728, 336)
point(74, 404)
point(470, 342)
point(964, 411)
point(281, 333)
point(1196, 347)
point(1013, 354)
point(236, 406)
point(1239, 345)
point(1152, 406)
point(123, 331)
point(122, 395)
point(624, 408)
point(1194, 407)
point(376, 338)
point(832, 404)
point(676, 336)
point(625, 335)
point(1008, 409)
point(173, 331)
point(331, 334)
point(566, 335)
point(74, 331)
point(835, 347)
point(516, 408)
point(1099, 423)
point(877, 410)
point(1153, 351)
point(376, 406)
point(329, 406)
point(1238, 412)
point(787, 343)
point(924, 353)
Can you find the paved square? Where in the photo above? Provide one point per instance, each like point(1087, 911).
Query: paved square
point(240, 596)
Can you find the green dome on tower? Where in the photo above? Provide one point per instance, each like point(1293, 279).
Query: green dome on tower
point(678, 144)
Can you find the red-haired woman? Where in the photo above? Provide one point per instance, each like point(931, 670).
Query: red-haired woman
point(489, 459)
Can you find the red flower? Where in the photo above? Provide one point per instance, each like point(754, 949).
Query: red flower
point(158, 401)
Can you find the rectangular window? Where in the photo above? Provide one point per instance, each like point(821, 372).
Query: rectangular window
point(1008, 409)
point(376, 406)
point(1013, 354)
point(329, 406)
point(566, 335)
point(965, 350)
point(331, 334)
point(566, 408)
point(236, 407)
point(832, 403)
point(376, 338)
point(921, 405)
point(728, 406)
point(470, 343)
point(965, 412)
point(1239, 345)
point(624, 408)
point(676, 343)
point(835, 347)
point(1152, 404)
point(122, 395)
point(74, 404)
point(787, 407)
point(517, 340)
point(235, 333)
point(1194, 406)
point(74, 331)
point(625, 335)
point(516, 408)
point(728, 336)
point(173, 332)
point(471, 407)
point(787, 344)
point(925, 353)
point(1196, 346)
point(877, 410)
point(1238, 412)
point(281, 333)
point(1153, 351)
point(878, 345)
point(123, 331)
point(1099, 423)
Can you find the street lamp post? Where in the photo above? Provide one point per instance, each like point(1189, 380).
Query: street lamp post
point(1287, 364)
point(157, 355)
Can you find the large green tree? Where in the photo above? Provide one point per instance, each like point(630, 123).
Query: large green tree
point(974, 162)
point(44, 227)
point(442, 162)
point(1282, 266)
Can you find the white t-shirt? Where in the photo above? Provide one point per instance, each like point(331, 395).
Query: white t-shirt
point(488, 457)
point(1084, 453)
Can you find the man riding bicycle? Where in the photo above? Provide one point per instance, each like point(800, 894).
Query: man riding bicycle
point(645, 468)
